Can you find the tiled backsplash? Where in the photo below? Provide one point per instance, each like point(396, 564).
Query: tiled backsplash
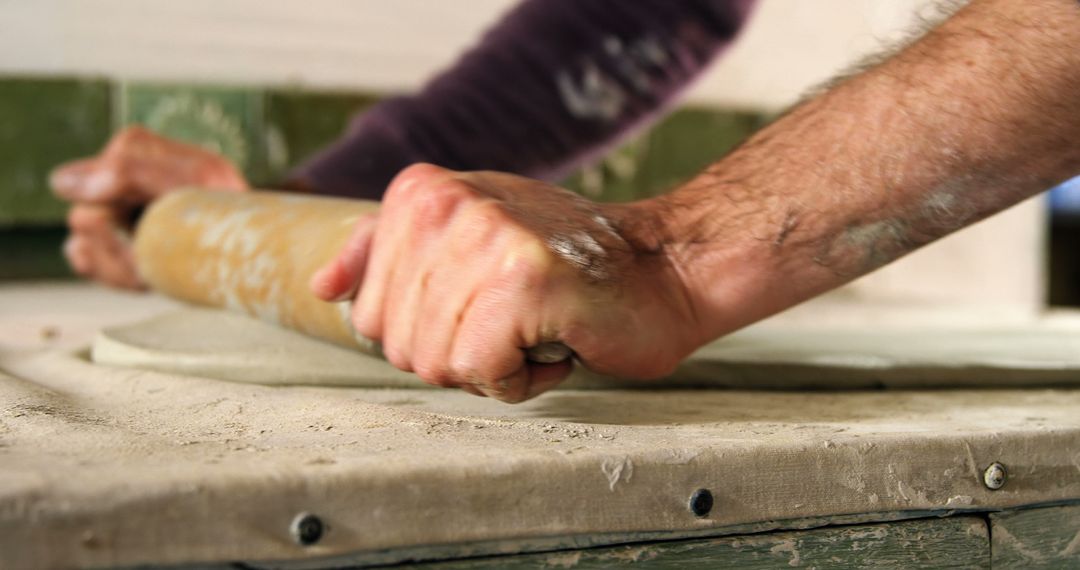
point(267, 131)
point(44, 122)
point(228, 121)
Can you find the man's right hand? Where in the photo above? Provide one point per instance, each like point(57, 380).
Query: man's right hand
point(107, 191)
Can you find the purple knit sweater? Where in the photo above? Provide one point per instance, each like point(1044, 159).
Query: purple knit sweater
point(553, 85)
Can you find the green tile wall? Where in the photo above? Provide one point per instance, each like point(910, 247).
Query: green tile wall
point(225, 120)
point(43, 123)
point(265, 132)
point(673, 150)
point(33, 253)
point(299, 123)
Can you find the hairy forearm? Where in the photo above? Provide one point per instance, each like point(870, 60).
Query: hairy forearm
point(976, 116)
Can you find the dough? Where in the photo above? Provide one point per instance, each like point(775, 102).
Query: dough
point(218, 344)
point(229, 346)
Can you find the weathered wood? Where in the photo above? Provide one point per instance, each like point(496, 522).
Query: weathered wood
point(1036, 538)
point(957, 542)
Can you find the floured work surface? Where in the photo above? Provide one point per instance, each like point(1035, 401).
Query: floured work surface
point(103, 466)
point(217, 344)
point(107, 466)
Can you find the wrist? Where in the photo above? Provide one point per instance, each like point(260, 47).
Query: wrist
point(719, 279)
point(736, 264)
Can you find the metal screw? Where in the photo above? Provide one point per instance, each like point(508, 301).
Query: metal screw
point(994, 477)
point(306, 529)
point(701, 502)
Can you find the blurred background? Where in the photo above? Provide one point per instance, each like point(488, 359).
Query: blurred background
point(267, 82)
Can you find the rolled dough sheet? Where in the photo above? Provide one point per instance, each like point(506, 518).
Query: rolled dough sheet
point(217, 344)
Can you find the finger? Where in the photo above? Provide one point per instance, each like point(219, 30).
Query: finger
point(472, 390)
point(340, 278)
point(488, 350)
point(126, 273)
point(544, 377)
point(102, 223)
point(89, 218)
point(390, 249)
point(383, 251)
point(77, 252)
point(446, 297)
point(465, 261)
point(106, 244)
point(155, 164)
point(427, 239)
point(112, 260)
point(68, 180)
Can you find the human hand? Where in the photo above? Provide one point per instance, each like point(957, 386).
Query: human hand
point(107, 191)
point(460, 272)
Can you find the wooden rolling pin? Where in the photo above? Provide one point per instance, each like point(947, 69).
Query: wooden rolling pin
point(254, 252)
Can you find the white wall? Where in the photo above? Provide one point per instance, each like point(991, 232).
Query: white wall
point(789, 46)
point(393, 45)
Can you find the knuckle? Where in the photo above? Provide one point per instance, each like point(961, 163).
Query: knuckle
point(74, 218)
point(397, 357)
point(526, 266)
point(527, 263)
point(363, 324)
point(434, 208)
point(487, 222)
point(422, 170)
point(118, 166)
point(127, 137)
point(411, 178)
point(491, 214)
point(433, 373)
point(468, 371)
point(87, 219)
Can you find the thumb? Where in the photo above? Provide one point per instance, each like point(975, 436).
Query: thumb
point(68, 180)
point(88, 180)
point(340, 278)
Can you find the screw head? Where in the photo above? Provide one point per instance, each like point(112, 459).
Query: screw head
point(995, 476)
point(701, 502)
point(306, 529)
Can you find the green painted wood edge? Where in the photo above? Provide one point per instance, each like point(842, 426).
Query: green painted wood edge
point(445, 552)
point(542, 544)
point(1046, 537)
point(44, 122)
point(956, 542)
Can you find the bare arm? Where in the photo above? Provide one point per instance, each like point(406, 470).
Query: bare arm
point(978, 115)
point(463, 270)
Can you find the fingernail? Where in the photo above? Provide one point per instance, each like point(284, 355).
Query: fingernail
point(99, 183)
point(492, 391)
point(61, 177)
point(78, 262)
point(469, 388)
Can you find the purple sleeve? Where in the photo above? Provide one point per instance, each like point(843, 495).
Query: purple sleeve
point(554, 84)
